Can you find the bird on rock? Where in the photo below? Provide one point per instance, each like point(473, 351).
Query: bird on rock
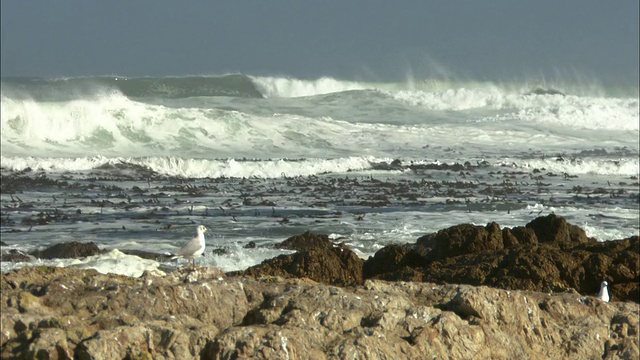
point(604, 291)
point(193, 248)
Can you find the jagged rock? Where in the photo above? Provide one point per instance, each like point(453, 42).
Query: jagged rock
point(548, 254)
point(306, 241)
point(148, 255)
point(337, 265)
point(14, 255)
point(460, 240)
point(81, 314)
point(555, 229)
point(71, 249)
point(518, 235)
point(318, 258)
point(392, 258)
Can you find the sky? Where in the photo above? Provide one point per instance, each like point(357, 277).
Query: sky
point(373, 40)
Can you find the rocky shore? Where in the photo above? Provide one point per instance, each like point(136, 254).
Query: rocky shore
point(464, 292)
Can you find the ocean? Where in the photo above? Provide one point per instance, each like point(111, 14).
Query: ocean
point(135, 163)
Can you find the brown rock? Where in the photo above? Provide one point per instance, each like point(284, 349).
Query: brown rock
point(50, 344)
point(547, 255)
point(148, 255)
point(82, 314)
point(15, 256)
point(462, 239)
point(71, 249)
point(391, 258)
point(518, 235)
point(555, 229)
point(306, 241)
point(337, 265)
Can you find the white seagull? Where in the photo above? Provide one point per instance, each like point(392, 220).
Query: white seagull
point(604, 292)
point(193, 248)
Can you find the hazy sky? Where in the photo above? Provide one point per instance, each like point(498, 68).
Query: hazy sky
point(374, 40)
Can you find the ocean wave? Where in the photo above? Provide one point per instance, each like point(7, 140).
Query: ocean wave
point(551, 108)
point(234, 85)
point(578, 166)
point(288, 87)
point(194, 168)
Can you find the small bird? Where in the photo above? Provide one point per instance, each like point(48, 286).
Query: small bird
point(194, 247)
point(604, 292)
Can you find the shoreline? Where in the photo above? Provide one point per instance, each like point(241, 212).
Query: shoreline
point(547, 254)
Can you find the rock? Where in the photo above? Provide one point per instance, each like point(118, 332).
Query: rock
point(548, 254)
point(337, 265)
point(148, 255)
point(221, 251)
point(132, 342)
point(392, 258)
point(50, 343)
point(518, 235)
point(71, 249)
point(73, 313)
point(555, 229)
point(460, 240)
point(14, 255)
point(306, 241)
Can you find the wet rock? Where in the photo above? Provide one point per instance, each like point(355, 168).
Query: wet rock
point(555, 229)
point(221, 251)
point(148, 255)
point(318, 259)
point(71, 249)
point(518, 235)
point(307, 240)
point(460, 240)
point(548, 254)
point(83, 314)
point(392, 258)
point(14, 255)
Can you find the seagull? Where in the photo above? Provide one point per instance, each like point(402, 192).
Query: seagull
point(604, 292)
point(194, 247)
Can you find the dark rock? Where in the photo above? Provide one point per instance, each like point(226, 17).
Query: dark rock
point(547, 255)
point(555, 229)
point(220, 251)
point(391, 258)
point(72, 249)
point(307, 240)
point(462, 239)
point(518, 235)
point(250, 245)
point(148, 255)
point(15, 256)
point(318, 259)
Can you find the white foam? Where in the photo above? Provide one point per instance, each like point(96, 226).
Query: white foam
point(622, 167)
point(288, 87)
point(112, 262)
point(561, 110)
point(198, 168)
point(241, 259)
point(116, 262)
